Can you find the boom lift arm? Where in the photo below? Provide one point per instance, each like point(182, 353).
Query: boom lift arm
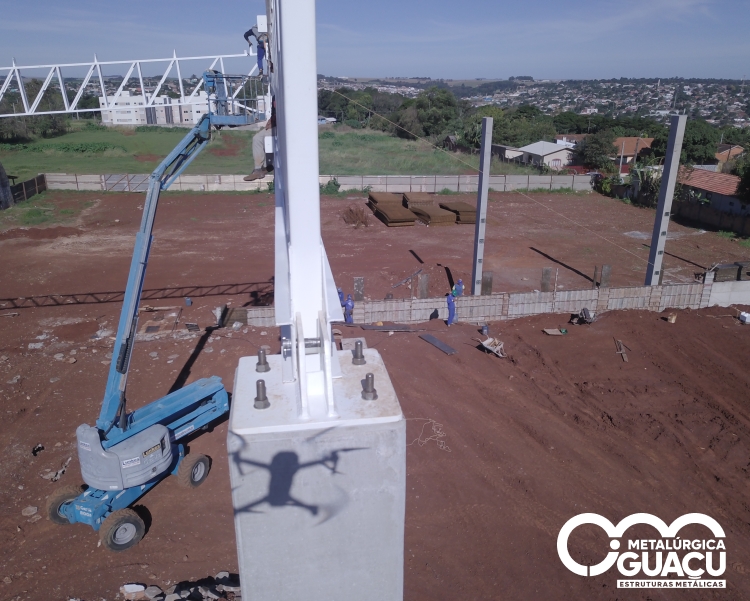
point(127, 454)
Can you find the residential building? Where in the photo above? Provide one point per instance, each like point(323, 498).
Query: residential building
point(506, 153)
point(554, 156)
point(728, 152)
point(570, 140)
point(719, 189)
point(630, 148)
point(132, 110)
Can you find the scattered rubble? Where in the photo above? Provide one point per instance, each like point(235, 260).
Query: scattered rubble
point(54, 476)
point(27, 512)
point(37, 449)
point(222, 586)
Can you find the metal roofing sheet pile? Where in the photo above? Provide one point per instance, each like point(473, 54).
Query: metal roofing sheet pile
point(388, 208)
point(465, 213)
point(430, 215)
point(418, 199)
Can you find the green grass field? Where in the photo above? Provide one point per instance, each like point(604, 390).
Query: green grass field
point(342, 152)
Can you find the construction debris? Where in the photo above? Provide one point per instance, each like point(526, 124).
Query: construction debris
point(223, 586)
point(438, 344)
point(555, 331)
point(620, 350)
point(582, 317)
point(493, 345)
point(56, 475)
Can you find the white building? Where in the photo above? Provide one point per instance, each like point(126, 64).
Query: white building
point(554, 156)
point(132, 110)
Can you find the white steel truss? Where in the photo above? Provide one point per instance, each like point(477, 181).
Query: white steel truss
point(94, 72)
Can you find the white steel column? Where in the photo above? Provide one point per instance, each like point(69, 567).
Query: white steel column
point(297, 117)
point(318, 472)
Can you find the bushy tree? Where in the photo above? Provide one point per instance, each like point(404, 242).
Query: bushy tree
point(597, 149)
point(698, 146)
point(743, 170)
point(437, 109)
point(471, 135)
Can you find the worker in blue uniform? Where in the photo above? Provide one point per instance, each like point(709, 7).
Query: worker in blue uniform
point(458, 288)
point(262, 39)
point(451, 310)
point(341, 296)
point(349, 309)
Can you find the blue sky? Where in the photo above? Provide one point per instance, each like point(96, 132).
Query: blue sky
point(558, 39)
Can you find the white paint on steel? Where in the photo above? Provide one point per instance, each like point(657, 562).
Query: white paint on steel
point(14, 73)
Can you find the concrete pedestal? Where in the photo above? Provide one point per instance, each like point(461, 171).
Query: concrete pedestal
point(319, 504)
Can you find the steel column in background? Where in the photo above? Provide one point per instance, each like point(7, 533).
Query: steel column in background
point(666, 195)
point(482, 190)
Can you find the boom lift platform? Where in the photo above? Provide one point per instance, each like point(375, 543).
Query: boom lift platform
point(127, 453)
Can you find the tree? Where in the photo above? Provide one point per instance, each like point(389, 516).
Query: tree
point(597, 149)
point(743, 170)
point(698, 146)
point(410, 127)
point(472, 124)
point(436, 110)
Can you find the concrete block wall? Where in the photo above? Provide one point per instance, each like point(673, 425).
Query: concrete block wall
point(503, 306)
point(124, 182)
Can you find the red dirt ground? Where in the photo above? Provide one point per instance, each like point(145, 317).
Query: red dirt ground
point(561, 427)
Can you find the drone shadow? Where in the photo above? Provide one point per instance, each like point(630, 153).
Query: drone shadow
point(282, 470)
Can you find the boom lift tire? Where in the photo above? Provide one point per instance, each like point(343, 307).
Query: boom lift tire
point(57, 499)
point(121, 530)
point(193, 471)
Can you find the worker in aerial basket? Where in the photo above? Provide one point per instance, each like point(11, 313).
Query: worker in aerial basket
point(451, 309)
point(259, 147)
point(262, 42)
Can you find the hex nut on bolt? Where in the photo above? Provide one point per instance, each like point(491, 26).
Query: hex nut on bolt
point(262, 364)
point(368, 391)
point(261, 400)
point(359, 356)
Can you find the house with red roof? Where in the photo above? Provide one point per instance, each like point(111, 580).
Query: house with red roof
point(719, 189)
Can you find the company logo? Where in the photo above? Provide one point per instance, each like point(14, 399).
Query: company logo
point(655, 558)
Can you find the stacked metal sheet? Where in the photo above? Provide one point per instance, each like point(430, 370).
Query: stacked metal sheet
point(465, 213)
point(418, 199)
point(431, 215)
point(731, 272)
point(390, 210)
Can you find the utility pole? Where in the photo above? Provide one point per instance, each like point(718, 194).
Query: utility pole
point(485, 157)
point(666, 194)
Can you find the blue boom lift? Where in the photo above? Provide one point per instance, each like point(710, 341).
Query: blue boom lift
point(127, 454)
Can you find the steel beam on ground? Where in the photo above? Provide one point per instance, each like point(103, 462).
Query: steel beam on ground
point(483, 188)
point(666, 195)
